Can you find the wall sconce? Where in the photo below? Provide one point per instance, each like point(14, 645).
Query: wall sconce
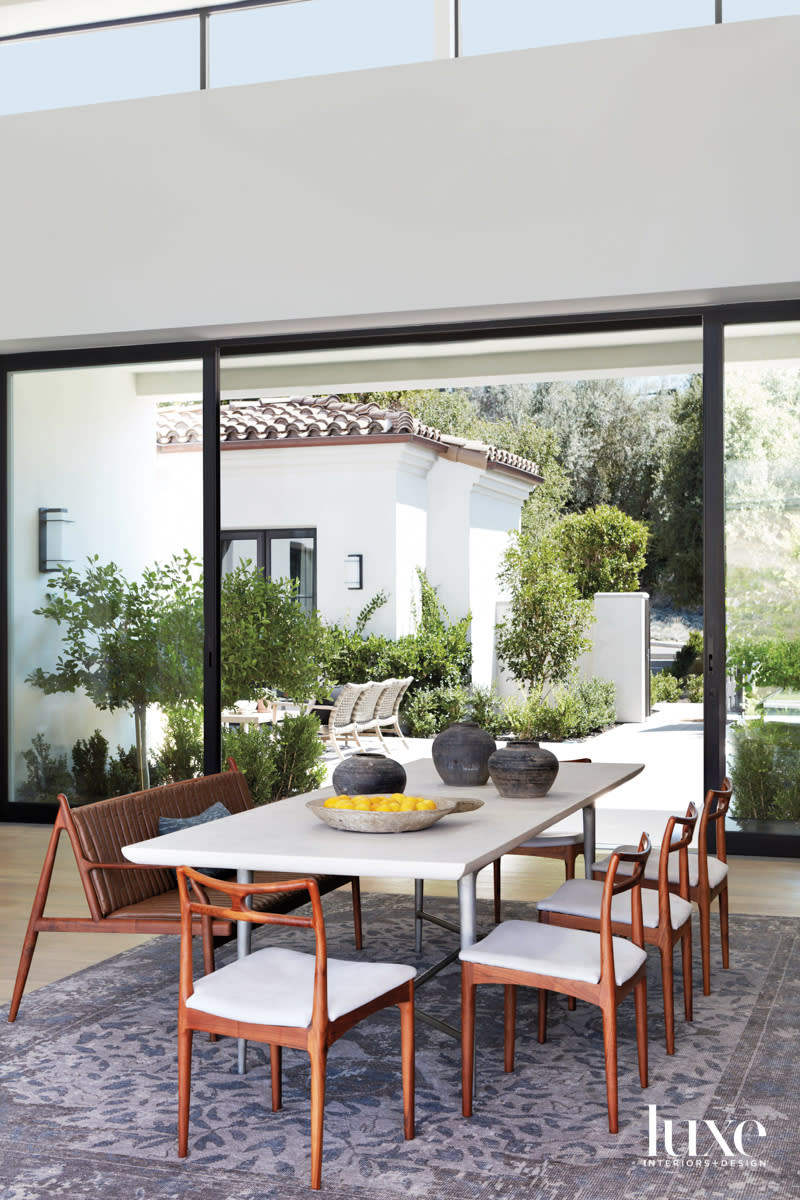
point(53, 550)
point(354, 572)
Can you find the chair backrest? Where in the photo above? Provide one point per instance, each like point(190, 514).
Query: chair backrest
point(104, 827)
point(366, 706)
point(715, 806)
point(196, 905)
point(613, 886)
point(386, 702)
point(344, 704)
point(405, 684)
point(677, 839)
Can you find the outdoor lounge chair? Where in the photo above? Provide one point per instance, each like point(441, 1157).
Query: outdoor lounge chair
point(389, 705)
point(341, 722)
point(365, 712)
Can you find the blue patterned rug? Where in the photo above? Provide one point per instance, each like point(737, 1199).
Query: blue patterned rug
point(88, 1089)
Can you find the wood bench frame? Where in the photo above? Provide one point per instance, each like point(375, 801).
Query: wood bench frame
point(126, 898)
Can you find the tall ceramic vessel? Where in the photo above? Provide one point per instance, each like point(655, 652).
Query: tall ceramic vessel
point(461, 754)
point(523, 768)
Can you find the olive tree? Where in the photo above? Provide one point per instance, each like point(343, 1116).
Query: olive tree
point(128, 643)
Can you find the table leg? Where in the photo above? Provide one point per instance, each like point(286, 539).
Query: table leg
point(419, 900)
point(589, 848)
point(467, 909)
point(243, 935)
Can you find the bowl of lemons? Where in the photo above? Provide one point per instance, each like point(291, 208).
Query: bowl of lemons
point(395, 813)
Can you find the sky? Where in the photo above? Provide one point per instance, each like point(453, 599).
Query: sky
point(318, 37)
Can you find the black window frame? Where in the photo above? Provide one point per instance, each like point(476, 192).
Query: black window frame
point(264, 539)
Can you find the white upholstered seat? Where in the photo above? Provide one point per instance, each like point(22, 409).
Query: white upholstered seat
point(275, 986)
point(582, 898)
point(551, 950)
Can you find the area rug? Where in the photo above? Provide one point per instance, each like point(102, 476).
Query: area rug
point(88, 1089)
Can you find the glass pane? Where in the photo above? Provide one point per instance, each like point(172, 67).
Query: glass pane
point(752, 10)
point(762, 546)
point(106, 624)
point(286, 41)
point(236, 551)
point(96, 65)
point(523, 24)
point(293, 558)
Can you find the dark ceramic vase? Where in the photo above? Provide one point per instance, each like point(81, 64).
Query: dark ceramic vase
point(367, 774)
point(523, 768)
point(461, 754)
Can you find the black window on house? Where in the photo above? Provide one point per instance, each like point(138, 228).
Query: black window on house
point(279, 553)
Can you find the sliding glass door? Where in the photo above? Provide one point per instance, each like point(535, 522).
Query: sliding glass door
point(762, 548)
point(106, 595)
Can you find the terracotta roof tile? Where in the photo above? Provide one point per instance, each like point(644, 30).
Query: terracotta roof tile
point(315, 417)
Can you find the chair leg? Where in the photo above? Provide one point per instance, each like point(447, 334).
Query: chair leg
point(355, 886)
point(705, 943)
point(37, 912)
point(275, 1064)
point(570, 855)
point(336, 746)
point(319, 1061)
point(184, 1087)
point(496, 878)
point(467, 1038)
point(400, 733)
point(509, 1025)
point(686, 959)
point(407, 1061)
point(723, 927)
point(610, 1050)
point(542, 1016)
point(640, 1003)
point(668, 988)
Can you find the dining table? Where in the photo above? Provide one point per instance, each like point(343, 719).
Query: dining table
point(288, 837)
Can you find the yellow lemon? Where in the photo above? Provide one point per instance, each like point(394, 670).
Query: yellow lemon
point(345, 802)
point(425, 805)
point(331, 802)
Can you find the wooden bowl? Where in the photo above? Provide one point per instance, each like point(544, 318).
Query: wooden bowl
point(358, 821)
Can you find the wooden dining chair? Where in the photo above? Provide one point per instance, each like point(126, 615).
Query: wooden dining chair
point(566, 846)
point(666, 917)
point(597, 967)
point(282, 997)
point(708, 876)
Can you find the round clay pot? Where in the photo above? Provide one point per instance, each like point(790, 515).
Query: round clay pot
point(461, 754)
point(367, 774)
point(523, 768)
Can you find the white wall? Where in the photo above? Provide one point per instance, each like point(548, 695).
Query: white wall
point(630, 171)
point(620, 642)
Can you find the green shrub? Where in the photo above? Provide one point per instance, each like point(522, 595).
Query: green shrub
point(277, 760)
point(438, 654)
point(123, 773)
point(181, 755)
point(686, 660)
point(604, 549)
point(90, 767)
point(431, 709)
point(664, 687)
point(768, 662)
point(485, 708)
point(577, 711)
point(694, 688)
point(765, 771)
point(47, 776)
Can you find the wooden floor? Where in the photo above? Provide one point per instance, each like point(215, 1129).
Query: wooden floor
point(765, 886)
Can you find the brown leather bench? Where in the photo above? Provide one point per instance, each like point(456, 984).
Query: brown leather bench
point(126, 898)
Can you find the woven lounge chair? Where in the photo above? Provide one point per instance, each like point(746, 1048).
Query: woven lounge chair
point(389, 705)
point(341, 722)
